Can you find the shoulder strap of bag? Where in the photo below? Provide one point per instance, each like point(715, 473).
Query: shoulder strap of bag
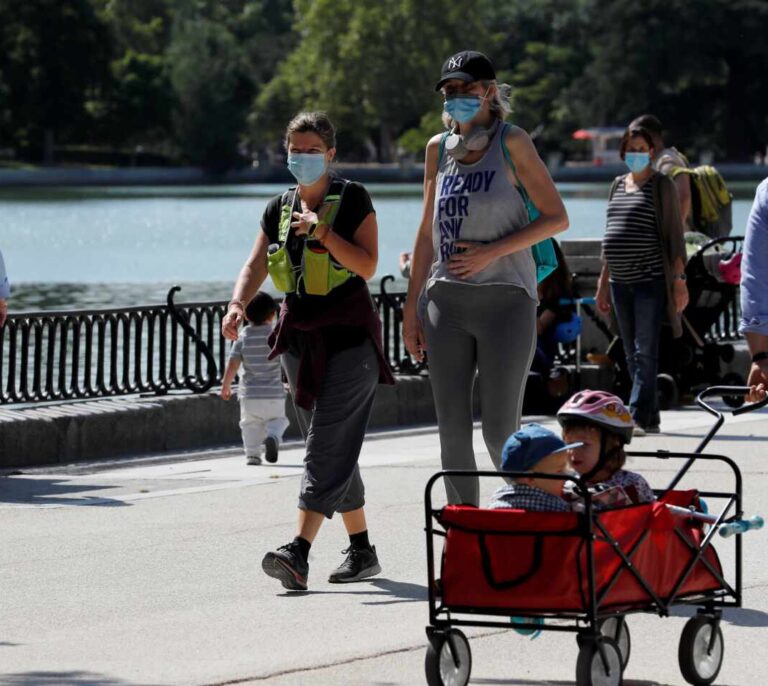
point(334, 198)
point(286, 214)
point(533, 211)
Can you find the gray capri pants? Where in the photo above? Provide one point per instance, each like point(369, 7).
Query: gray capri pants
point(335, 428)
point(490, 330)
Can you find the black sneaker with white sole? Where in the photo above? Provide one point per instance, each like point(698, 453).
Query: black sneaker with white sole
point(288, 565)
point(361, 563)
point(271, 448)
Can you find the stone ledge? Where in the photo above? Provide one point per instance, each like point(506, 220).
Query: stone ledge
point(117, 427)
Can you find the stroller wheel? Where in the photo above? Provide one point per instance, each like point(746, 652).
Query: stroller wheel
point(449, 659)
point(617, 629)
point(666, 388)
point(701, 650)
point(599, 663)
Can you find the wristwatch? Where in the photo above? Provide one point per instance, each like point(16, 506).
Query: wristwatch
point(679, 277)
point(759, 357)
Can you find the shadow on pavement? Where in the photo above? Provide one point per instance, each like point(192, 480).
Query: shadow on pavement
point(738, 616)
point(392, 591)
point(62, 679)
point(528, 682)
point(52, 492)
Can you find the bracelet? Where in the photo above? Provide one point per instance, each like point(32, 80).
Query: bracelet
point(679, 277)
point(759, 357)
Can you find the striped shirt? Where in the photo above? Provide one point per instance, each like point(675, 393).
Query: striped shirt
point(631, 245)
point(259, 377)
point(524, 497)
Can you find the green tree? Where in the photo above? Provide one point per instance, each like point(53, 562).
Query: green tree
point(54, 56)
point(371, 66)
point(698, 66)
point(206, 75)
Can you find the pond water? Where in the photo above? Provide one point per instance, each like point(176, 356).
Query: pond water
point(103, 247)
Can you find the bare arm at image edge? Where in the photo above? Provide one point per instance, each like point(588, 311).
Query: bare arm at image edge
point(754, 295)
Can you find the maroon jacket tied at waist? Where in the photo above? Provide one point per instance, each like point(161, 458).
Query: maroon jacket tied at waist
point(354, 309)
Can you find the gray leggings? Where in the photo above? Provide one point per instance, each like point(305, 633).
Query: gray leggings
point(335, 428)
point(490, 330)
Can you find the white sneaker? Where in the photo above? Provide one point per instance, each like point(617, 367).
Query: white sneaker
point(253, 459)
point(638, 431)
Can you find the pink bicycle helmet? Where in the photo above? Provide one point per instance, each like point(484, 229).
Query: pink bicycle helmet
point(600, 408)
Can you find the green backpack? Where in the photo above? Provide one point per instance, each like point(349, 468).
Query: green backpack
point(711, 201)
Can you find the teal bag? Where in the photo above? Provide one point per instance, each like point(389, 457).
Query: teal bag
point(543, 252)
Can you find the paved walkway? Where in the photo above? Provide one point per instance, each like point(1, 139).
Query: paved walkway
point(149, 573)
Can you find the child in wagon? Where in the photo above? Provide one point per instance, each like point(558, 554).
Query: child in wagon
point(602, 424)
point(534, 448)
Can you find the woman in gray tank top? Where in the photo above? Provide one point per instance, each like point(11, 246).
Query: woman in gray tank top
point(471, 302)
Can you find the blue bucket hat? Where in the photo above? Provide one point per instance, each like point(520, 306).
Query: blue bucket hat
point(529, 445)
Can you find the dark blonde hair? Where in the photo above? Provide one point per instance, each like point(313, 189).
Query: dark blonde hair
point(312, 122)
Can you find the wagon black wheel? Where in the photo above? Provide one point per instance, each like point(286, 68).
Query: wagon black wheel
point(701, 650)
point(449, 659)
point(599, 663)
point(617, 629)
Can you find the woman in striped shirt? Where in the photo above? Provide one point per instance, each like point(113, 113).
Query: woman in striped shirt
point(643, 269)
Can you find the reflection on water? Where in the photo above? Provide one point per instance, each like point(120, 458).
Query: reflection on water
point(87, 296)
point(118, 246)
point(32, 297)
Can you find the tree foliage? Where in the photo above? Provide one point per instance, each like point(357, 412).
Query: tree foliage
point(211, 81)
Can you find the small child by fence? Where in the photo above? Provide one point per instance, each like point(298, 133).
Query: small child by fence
point(261, 391)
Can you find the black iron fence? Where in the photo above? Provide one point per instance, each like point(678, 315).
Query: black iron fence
point(156, 349)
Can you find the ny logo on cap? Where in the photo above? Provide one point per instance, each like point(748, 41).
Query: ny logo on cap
point(455, 62)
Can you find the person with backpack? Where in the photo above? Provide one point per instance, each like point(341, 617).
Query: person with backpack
point(319, 244)
point(705, 202)
point(471, 303)
point(643, 272)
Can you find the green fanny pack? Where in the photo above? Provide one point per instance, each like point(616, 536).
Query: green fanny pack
point(318, 273)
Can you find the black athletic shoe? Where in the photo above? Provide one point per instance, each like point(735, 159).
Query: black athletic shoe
point(288, 565)
point(360, 564)
point(271, 448)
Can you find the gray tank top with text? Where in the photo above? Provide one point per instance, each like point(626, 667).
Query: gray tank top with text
point(479, 202)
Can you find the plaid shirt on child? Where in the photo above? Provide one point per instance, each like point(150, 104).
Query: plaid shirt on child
point(524, 497)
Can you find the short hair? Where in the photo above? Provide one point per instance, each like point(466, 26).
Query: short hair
point(260, 308)
point(648, 122)
point(634, 132)
point(312, 122)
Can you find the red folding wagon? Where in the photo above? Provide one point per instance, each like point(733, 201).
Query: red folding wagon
point(586, 572)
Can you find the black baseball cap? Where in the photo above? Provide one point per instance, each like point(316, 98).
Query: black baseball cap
point(467, 65)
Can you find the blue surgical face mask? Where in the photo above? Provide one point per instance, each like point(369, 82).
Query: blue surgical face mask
point(307, 167)
point(462, 108)
point(637, 161)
